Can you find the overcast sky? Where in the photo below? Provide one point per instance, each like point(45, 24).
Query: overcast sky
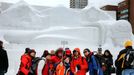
point(97, 3)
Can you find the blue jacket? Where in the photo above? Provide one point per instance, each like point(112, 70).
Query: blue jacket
point(94, 66)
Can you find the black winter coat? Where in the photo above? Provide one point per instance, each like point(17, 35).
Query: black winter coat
point(108, 62)
point(118, 63)
point(3, 61)
point(100, 59)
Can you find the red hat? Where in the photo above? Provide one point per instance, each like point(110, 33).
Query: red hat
point(68, 52)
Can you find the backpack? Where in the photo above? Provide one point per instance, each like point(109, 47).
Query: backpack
point(129, 59)
point(35, 62)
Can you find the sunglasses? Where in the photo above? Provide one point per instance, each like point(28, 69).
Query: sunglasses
point(75, 51)
point(85, 51)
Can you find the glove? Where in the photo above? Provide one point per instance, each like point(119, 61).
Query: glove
point(78, 67)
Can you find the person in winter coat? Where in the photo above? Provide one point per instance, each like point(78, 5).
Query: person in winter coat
point(123, 68)
point(55, 60)
point(45, 64)
point(67, 61)
point(119, 61)
point(26, 63)
point(26, 52)
point(67, 48)
point(58, 56)
point(52, 53)
point(108, 62)
point(3, 60)
point(93, 64)
point(34, 66)
point(67, 66)
point(38, 64)
point(68, 54)
point(99, 56)
point(51, 63)
point(79, 64)
point(60, 69)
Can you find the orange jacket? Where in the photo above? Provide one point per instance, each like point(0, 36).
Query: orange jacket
point(50, 65)
point(60, 70)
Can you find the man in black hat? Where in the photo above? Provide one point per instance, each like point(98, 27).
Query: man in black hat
point(99, 56)
point(3, 60)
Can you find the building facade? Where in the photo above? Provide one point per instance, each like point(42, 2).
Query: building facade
point(78, 4)
point(131, 13)
point(125, 11)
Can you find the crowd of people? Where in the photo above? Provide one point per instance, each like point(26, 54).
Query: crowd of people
point(66, 62)
point(71, 62)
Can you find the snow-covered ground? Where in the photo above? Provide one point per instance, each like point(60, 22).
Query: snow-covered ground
point(21, 26)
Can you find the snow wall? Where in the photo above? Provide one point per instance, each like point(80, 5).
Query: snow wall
point(21, 26)
point(90, 26)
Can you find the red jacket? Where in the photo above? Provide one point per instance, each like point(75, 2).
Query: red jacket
point(45, 68)
point(25, 64)
point(81, 61)
point(83, 65)
point(49, 64)
point(55, 59)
